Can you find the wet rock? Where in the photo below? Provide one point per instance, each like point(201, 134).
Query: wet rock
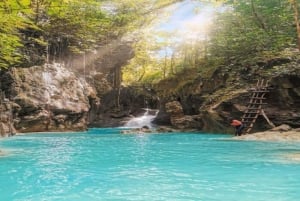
point(6, 120)
point(295, 157)
point(164, 129)
point(144, 129)
point(290, 135)
point(2, 153)
point(282, 128)
point(179, 120)
point(174, 108)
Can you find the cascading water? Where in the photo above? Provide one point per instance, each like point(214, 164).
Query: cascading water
point(47, 82)
point(144, 120)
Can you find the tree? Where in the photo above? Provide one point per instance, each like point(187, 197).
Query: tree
point(249, 29)
point(296, 17)
point(12, 19)
point(66, 27)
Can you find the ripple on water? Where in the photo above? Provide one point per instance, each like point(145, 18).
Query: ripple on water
point(104, 165)
point(290, 157)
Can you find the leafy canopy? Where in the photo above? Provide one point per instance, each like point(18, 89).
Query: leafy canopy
point(62, 28)
point(239, 32)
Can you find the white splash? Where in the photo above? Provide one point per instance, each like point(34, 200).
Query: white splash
point(144, 120)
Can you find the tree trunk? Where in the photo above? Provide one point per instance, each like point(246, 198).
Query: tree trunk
point(172, 64)
point(165, 64)
point(260, 22)
point(117, 85)
point(296, 17)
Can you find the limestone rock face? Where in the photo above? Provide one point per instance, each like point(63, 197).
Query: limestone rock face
point(284, 100)
point(6, 122)
point(282, 128)
point(227, 93)
point(175, 110)
point(47, 98)
point(179, 120)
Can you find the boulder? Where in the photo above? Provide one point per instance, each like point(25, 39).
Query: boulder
point(282, 128)
point(181, 121)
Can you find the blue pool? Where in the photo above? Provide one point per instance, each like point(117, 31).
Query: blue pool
point(103, 164)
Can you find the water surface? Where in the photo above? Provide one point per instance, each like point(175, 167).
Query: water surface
point(102, 164)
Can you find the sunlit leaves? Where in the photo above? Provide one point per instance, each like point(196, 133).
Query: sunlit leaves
point(76, 26)
point(12, 19)
point(242, 30)
point(251, 28)
point(65, 27)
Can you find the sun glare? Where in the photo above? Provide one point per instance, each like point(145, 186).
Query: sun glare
point(189, 20)
point(196, 27)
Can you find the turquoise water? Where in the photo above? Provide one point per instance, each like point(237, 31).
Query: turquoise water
point(102, 164)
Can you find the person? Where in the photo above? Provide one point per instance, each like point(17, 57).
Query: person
point(239, 126)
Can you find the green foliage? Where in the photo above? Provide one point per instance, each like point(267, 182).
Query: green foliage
point(11, 21)
point(249, 28)
point(242, 32)
point(75, 26)
point(241, 29)
point(66, 27)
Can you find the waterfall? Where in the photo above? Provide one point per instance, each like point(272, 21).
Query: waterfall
point(144, 120)
point(46, 76)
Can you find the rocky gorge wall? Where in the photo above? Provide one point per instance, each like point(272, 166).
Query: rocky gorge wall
point(6, 119)
point(54, 98)
point(206, 104)
point(47, 98)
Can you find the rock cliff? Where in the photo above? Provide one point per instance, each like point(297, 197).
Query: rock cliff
point(53, 98)
point(66, 97)
point(6, 119)
point(47, 98)
point(225, 93)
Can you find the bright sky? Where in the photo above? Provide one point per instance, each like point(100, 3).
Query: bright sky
point(185, 21)
point(189, 19)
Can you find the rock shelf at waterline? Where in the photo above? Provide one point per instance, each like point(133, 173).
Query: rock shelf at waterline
point(146, 129)
point(292, 135)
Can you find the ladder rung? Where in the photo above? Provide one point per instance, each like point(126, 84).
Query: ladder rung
point(260, 91)
point(258, 98)
point(255, 104)
point(249, 117)
point(255, 101)
point(245, 120)
point(250, 113)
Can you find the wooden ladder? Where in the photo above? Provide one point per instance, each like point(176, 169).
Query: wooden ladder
point(255, 106)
